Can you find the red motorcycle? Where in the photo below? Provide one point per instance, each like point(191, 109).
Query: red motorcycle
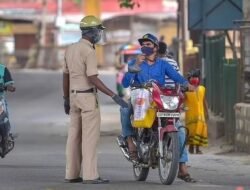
point(157, 143)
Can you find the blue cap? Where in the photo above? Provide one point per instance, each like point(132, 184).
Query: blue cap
point(149, 37)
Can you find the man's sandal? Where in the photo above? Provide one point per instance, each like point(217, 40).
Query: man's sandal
point(187, 178)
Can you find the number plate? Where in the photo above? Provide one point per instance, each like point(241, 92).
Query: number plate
point(166, 114)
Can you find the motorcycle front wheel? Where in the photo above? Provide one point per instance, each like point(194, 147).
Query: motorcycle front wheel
point(140, 173)
point(168, 164)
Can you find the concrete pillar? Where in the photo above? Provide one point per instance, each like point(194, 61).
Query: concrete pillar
point(246, 9)
point(93, 7)
point(242, 131)
point(242, 110)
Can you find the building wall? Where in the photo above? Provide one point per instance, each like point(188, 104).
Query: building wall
point(169, 31)
point(242, 110)
point(242, 137)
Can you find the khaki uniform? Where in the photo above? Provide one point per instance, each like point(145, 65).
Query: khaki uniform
point(84, 130)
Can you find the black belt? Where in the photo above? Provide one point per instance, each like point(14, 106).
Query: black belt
point(91, 90)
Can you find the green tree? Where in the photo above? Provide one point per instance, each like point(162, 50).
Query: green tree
point(128, 4)
point(123, 3)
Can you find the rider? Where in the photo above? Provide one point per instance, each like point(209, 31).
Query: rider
point(6, 84)
point(183, 171)
point(149, 67)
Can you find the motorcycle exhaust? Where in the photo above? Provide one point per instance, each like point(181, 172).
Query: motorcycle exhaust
point(122, 144)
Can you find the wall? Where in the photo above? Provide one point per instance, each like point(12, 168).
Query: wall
point(242, 110)
point(242, 133)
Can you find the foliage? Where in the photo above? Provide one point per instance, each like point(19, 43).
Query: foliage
point(78, 1)
point(128, 4)
point(123, 3)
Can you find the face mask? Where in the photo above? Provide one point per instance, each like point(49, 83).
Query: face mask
point(195, 81)
point(94, 35)
point(97, 35)
point(96, 38)
point(147, 50)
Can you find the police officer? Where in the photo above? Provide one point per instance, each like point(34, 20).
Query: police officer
point(80, 83)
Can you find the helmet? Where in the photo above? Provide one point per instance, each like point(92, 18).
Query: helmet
point(91, 21)
point(149, 37)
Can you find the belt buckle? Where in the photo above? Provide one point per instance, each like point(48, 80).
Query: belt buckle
point(74, 92)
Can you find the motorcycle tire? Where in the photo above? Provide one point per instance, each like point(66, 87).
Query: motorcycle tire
point(140, 173)
point(168, 165)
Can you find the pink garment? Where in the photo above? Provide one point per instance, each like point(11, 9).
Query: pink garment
point(119, 77)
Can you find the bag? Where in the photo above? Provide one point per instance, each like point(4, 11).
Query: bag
point(144, 112)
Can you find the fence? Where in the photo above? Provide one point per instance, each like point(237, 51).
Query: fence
point(221, 83)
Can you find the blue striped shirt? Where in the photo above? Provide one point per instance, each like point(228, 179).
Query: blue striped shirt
point(174, 64)
point(156, 71)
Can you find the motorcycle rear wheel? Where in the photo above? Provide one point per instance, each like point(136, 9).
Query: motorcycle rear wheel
point(140, 173)
point(168, 165)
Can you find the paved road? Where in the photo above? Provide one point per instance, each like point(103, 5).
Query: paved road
point(38, 160)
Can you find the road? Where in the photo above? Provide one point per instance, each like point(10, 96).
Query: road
point(38, 160)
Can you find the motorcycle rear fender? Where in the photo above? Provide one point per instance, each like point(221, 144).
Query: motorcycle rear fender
point(167, 129)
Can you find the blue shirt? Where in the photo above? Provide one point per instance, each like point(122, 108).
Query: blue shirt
point(156, 71)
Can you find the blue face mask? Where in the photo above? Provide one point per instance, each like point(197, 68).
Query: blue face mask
point(147, 50)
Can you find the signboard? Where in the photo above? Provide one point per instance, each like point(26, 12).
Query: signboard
point(6, 28)
point(213, 14)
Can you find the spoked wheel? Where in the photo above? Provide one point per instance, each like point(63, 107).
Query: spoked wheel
point(140, 173)
point(6, 145)
point(1, 147)
point(168, 164)
point(10, 143)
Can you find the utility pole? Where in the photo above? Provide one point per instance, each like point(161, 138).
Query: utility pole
point(43, 23)
point(246, 9)
point(42, 36)
point(93, 7)
point(183, 16)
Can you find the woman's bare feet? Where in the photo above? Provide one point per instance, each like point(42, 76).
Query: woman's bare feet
point(198, 150)
point(191, 149)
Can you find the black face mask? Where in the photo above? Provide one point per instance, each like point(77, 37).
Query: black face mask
point(94, 35)
point(147, 50)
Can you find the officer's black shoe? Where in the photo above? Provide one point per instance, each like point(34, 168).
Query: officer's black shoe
point(96, 181)
point(76, 180)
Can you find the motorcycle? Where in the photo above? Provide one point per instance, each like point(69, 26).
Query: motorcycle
point(6, 139)
point(157, 143)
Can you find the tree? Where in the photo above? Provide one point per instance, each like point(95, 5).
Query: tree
point(123, 3)
point(129, 3)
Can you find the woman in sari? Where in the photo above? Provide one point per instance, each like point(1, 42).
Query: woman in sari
point(196, 114)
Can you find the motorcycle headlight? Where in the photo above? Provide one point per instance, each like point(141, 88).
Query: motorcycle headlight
point(170, 102)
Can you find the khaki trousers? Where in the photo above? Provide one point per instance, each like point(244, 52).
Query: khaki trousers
point(83, 136)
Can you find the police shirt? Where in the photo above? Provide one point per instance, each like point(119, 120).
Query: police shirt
point(80, 62)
